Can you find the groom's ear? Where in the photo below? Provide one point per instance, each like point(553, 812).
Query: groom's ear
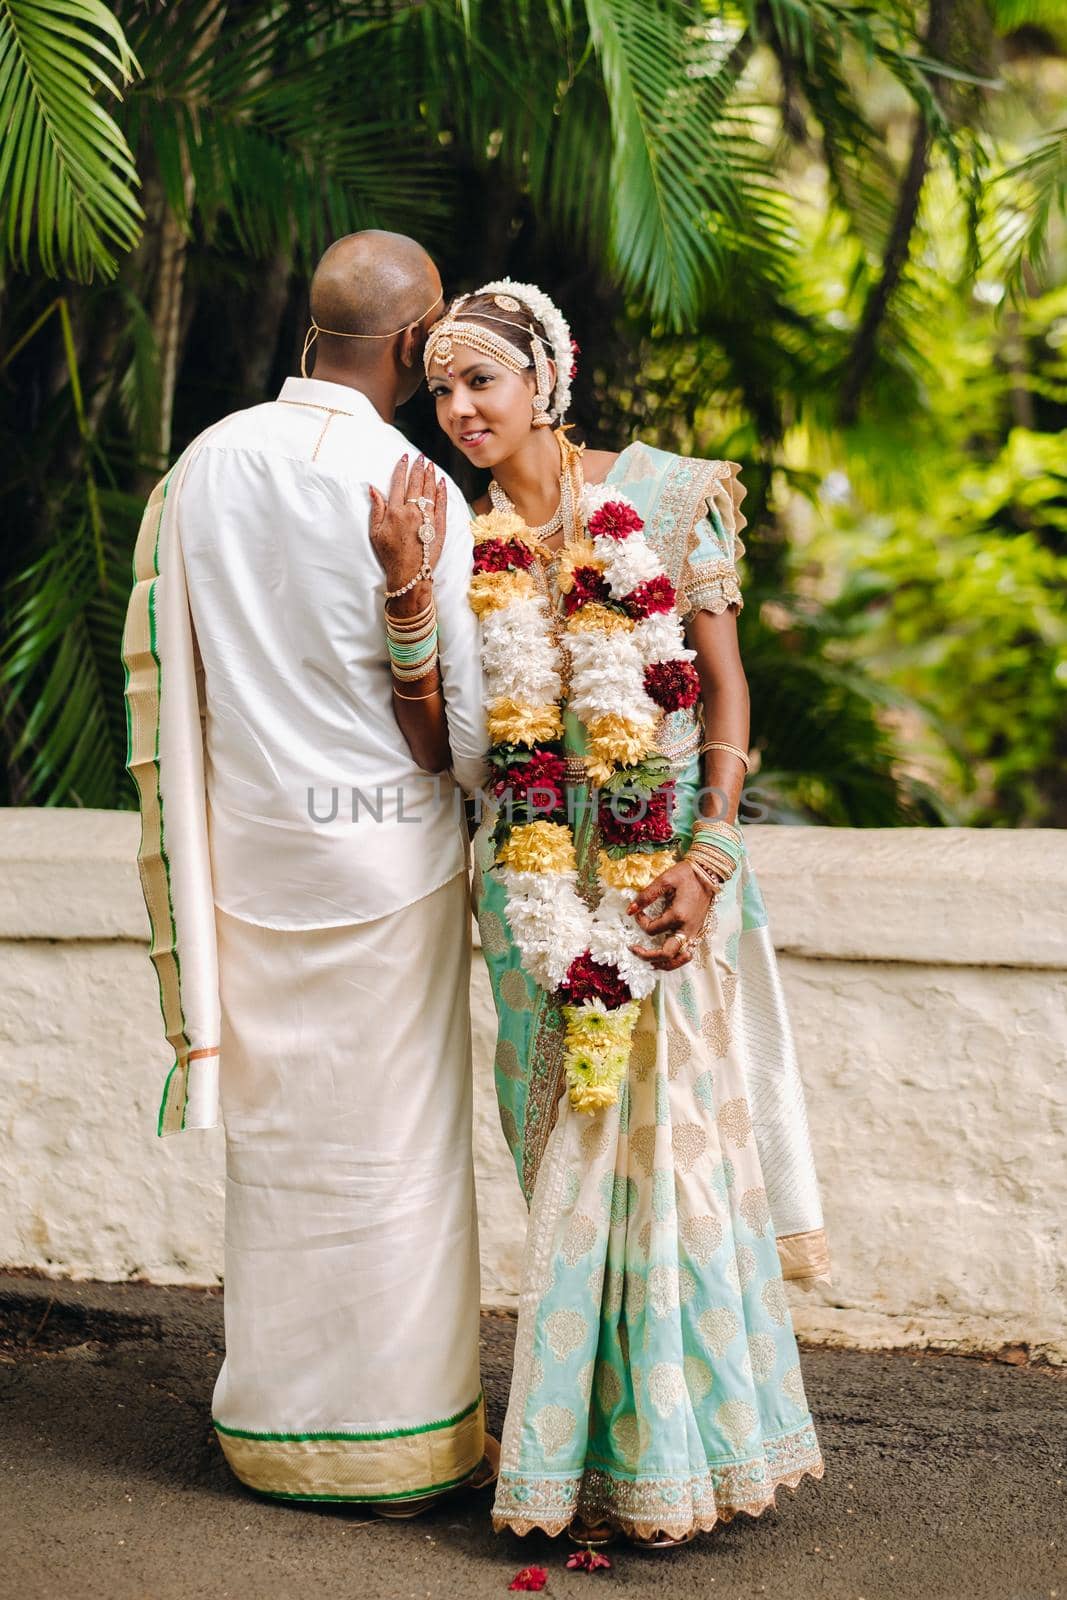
point(412, 343)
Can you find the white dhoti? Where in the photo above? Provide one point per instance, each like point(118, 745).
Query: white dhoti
point(352, 1288)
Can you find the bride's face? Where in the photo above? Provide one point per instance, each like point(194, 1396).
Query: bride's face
point(486, 411)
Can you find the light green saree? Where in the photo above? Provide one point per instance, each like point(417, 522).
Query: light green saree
point(656, 1377)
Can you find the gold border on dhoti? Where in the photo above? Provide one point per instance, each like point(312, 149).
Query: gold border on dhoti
point(804, 1257)
point(357, 1466)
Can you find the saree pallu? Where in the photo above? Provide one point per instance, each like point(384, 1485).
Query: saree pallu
point(352, 1279)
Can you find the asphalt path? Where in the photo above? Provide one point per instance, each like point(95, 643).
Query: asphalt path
point(945, 1481)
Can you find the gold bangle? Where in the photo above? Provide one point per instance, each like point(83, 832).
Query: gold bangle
point(416, 616)
point(719, 825)
point(434, 691)
point(412, 674)
point(712, 885)
point(712, 860)
point(720, 744)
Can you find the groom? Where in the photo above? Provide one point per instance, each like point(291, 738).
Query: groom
point(313, 958)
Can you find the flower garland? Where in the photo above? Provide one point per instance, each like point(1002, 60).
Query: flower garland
point(629, 666)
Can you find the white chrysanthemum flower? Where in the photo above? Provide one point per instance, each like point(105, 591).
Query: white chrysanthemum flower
point(660, 638)
point(518, 655)
point(557, 330)
point(595, 495)
point(540, 886)
point(608, 676)
point(550, 932)
point(611, 935)
point(590, 651)
point(627, 562)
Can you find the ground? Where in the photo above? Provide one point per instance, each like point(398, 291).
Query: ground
point(945, 1481)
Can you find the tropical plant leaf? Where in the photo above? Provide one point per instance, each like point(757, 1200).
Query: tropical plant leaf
point(67, 176)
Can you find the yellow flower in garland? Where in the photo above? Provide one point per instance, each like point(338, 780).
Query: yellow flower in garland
point(491, 591)
point(512, 722)
point(595, 618)
point(581, 554)
point(632, 872)
point(592, 1027)
point(539, 847)
point(620, 739)
point(501, 525)
point(597, 1052)
point(598, 772)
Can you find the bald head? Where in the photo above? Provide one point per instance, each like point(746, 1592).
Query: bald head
point(373, 283)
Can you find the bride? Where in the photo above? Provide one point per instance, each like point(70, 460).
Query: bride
point(647, 1082)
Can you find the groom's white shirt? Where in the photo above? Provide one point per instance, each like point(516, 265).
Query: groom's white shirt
point(287, 600)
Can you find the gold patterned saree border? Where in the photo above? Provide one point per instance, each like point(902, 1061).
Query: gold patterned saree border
point(646, 1506)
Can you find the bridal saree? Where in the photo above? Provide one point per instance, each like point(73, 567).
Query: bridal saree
point(657, 1383)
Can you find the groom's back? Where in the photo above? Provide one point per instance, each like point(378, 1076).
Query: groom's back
point(287, 600)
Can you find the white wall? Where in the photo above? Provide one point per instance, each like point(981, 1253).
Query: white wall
point(925, 973)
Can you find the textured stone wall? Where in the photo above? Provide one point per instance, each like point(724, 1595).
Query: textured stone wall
point(931, 1027)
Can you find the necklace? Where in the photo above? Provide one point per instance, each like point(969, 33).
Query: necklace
point(565, 515)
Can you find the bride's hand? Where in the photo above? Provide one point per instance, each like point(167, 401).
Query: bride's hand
point(395, 523)
point(686, 906)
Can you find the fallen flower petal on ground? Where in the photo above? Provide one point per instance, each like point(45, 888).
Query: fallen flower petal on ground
point(588, 1561)
point(531, 1580)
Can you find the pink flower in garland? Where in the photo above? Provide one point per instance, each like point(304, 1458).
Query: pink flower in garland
point(500, 555)
point(615, 520)
point(576, 351)
point(593, 980)
point(626, 821)
point(674, 685)
point(589, 584)
point(656, 594)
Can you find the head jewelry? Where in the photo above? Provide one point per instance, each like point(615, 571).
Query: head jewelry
point(550, 401)
point(315, 329)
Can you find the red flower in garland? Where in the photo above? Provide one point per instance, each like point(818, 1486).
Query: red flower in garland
point(530, 1580)
point(656, 594)
point(589, 584)
point(593, 980)
point(672, 684)
point(615, 520)
point(544, 773)
point(625, 820)
point(498, 555)
point(576, 351)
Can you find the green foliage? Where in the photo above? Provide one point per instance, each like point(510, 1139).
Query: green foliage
point(67, 176)
point(710, 186)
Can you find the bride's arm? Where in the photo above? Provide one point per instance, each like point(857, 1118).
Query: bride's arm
point(724, 690)
point(418, 703)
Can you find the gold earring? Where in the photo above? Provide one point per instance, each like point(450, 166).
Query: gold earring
point(543, 397)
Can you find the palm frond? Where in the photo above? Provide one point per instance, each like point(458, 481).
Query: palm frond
point(1025, 197)
point(67, 177)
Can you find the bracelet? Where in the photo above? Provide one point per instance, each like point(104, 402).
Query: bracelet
point(425, 571)
point(712, 885)
point(434, 691)
point(409, 655)
point(412, 624)
point(727, 836)
point(712, 860)
point(720, 744)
